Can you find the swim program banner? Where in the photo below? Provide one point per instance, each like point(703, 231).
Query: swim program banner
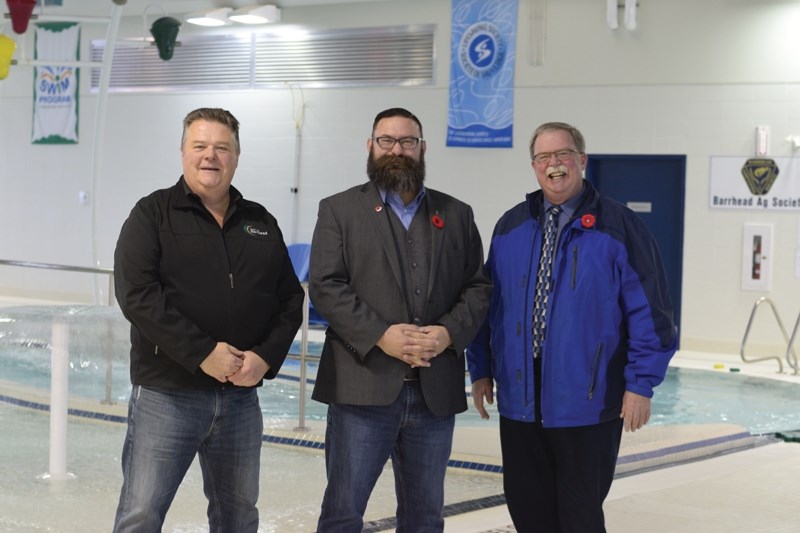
point(481, 112)
point(55, 90)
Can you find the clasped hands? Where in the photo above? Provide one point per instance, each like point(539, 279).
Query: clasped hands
point(228, 364)
point(414, 345)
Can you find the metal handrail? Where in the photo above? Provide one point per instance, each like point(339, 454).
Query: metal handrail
point(303, 356)
point(761, 300)
point(790, 347)
point(90, 270)
point(52, 266)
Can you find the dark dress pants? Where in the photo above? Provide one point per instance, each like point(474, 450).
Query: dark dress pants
point(556, 479)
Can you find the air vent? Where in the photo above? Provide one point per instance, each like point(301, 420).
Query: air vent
point(388, 57)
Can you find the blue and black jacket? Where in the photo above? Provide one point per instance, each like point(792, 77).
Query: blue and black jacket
point(609, 322)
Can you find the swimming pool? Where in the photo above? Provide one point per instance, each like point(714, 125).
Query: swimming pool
point(99, 349)
point(292, 476)
point(292, 480)
point(99, 364)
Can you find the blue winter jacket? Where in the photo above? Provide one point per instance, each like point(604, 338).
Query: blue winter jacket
point(609, 322)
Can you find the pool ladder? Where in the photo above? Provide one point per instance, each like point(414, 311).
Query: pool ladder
point(791, 355)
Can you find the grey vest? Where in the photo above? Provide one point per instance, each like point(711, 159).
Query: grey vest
point(414, 247)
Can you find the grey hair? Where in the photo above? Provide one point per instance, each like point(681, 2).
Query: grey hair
point(213, 114)
point(577, 136)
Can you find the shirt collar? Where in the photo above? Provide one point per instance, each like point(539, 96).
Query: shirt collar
point(393, 199)
point(570, 206)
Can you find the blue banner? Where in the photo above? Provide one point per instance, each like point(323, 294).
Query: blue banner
point(481, 112)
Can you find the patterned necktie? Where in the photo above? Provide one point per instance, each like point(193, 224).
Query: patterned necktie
point(543, 278)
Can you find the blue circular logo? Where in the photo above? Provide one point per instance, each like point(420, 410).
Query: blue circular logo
point(481, 50)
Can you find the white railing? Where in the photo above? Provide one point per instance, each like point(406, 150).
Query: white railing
point(60, 369)
point(791, 356)
point(59, 372)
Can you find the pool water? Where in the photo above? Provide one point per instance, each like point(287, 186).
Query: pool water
point(690, 396)
point(98, 346)
point(29, 365)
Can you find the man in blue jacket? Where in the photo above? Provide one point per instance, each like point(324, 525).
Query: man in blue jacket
point(575, 367)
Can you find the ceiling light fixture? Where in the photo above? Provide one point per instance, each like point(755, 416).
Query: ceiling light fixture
point(256, 14)
point(165, 32)
point(215, 17)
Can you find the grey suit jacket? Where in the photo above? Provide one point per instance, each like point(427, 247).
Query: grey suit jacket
point(355, 282)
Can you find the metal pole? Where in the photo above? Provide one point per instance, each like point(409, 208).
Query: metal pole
point(109, 345)
point(303, 352)
point(59, 376)
point(100, 125)
point(109, 362)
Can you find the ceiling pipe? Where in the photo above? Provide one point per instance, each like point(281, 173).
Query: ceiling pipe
point(612, 14)
point(630, 14)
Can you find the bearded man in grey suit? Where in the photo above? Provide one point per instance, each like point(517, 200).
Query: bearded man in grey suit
point(397, 271)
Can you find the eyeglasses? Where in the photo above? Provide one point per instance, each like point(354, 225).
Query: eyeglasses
point(406, 143)
point(562, 155)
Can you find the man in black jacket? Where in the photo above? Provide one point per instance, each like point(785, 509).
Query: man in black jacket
point(205, 279)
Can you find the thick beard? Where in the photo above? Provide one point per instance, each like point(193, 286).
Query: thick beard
point(408, 177)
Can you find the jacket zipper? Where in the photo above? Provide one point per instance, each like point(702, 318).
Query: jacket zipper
point(595, 366)
point(574, 266)
point(224, 243)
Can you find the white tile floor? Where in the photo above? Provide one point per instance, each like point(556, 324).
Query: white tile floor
point(756, 490)
point(748, 491)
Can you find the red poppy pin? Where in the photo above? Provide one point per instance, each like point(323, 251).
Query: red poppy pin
point(588, 220)
point(437, 221)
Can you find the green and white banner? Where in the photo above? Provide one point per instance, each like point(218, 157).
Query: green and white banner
point(55, 89)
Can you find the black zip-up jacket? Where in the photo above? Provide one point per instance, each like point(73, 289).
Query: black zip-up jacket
point(185, 284)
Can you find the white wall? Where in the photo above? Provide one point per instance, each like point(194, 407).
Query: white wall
point(695, 78)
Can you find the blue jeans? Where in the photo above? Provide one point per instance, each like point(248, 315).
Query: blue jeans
point(358, 442)
point(166, 429)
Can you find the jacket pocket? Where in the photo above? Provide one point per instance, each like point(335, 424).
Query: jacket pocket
point(574, 274)
point(595, 368)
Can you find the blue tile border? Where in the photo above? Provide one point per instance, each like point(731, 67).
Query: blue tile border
point(452, 463)
point(452, 509)
point(631, 458)
point(92, 415)
point(271, 439)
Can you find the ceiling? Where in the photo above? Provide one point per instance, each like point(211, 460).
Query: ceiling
point(173, 7)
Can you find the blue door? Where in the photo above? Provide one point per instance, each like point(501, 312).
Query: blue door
point(654, 186)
